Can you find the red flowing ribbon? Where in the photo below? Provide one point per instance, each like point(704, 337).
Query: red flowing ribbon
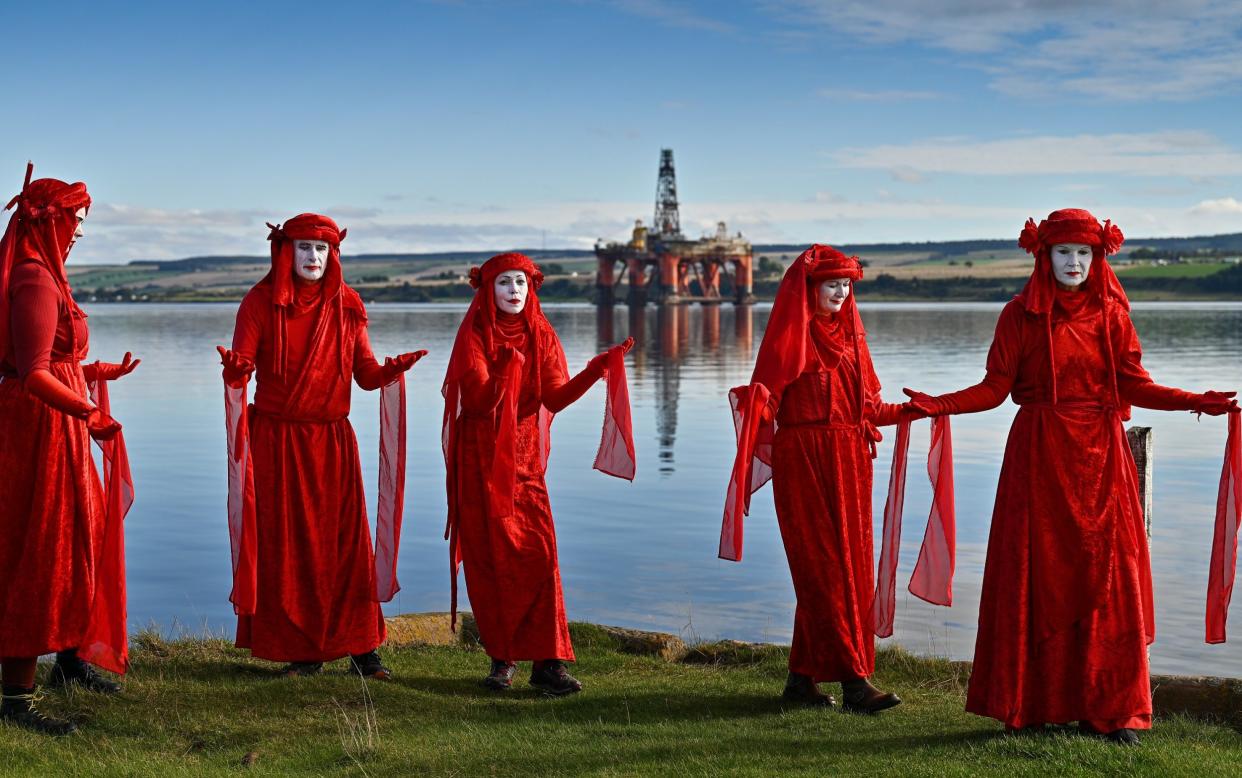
point(243, 533)
point(106, 643)
point(737, 499)
point(932, 579)
point(615, 456)
point(391, 488)
point(1225, 537)
point(885, 604)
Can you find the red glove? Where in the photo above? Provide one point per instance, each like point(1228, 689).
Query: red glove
point(1216, 403)
point(110, 371)
point(101, 426)
point(237, 368)
point(983, 396)
point(395, 366)
point(597, 361)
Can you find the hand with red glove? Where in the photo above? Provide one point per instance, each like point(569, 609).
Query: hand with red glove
point(110, 371)
point(1216, 403)
point(983, 396)
point(237, 368)
point(599, 360)
point(395, 366)
point(101, 426)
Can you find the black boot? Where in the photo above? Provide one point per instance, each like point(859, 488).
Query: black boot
point(70, 669)
point(801, 688)
point(369, 665)
point(18, 709)
point(551, 677)
point(500, 677)
point(861, 697)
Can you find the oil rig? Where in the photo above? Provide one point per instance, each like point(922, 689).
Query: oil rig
point(664, 266)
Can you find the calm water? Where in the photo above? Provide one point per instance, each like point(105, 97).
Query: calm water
point(644, 554)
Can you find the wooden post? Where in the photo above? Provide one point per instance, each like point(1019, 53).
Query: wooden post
point(1140, 439)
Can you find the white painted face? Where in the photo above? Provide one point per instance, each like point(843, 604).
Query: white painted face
point(510, 289)
point(310, 259)
point(832, 294)
point(80, 215)
point(1070, 263)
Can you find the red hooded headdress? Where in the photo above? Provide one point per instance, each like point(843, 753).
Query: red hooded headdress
point(287, 295)
point(786, 349)
point(1074, 225)
point(41, 228)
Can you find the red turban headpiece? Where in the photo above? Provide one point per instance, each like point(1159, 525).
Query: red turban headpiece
point(41, 228)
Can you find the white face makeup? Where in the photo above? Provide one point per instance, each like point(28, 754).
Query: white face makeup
point(832, 294)
point(510, 290)
point(310, 259)
point(80, 215)
point(1070, 263)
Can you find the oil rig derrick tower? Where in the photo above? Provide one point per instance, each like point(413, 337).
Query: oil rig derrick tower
point(663, 265)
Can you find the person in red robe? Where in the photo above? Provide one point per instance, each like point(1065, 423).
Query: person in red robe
point(506, 378)
point(307, 587)
point(808, 421)
point(1065, 614)
point(62, 567)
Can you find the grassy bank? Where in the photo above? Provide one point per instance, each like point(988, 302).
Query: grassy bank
point(203, 708)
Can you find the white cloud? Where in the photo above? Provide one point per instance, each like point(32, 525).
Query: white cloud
point(1224, 206)
point(884, 217)
point(672, 14)
point(1179, 153)
point(1111, 49)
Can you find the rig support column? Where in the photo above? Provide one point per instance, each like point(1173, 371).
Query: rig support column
point(605, 278)
point(638, 282)
point(670, 286)
point(743, 283)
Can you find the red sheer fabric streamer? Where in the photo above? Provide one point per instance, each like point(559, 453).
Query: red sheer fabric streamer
point(391, 488)
point(106, 643)
point(1225, 538)
point(751, 467)
point(242, 530)
point(615, 456)
point(932, 579)
point(885, 605)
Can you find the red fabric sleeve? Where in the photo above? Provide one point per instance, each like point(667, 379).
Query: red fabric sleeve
point(249, 328)
point(35, 312)
point(887, 414)
point(1157, 397)
point(368, 373)
point(983, 396)
point(558, 394)
point(481, 389)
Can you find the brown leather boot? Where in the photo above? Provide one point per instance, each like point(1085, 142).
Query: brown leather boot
point(18, 708)
point(802, 689)
point(861, 697)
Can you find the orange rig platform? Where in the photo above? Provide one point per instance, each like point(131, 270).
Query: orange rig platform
point(666, 267)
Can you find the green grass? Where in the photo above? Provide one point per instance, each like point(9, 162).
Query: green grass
point(204, 708)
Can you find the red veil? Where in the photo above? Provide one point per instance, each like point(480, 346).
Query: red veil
point(616, 451)
point(336, 298)
point(42, 228)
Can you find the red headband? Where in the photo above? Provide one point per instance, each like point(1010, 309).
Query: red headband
point(1071, 225)
point(824, 262)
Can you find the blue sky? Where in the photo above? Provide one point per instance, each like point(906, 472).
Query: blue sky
point(428, 126)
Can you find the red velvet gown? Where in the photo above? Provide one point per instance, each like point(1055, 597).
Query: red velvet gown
point(821, 484)
point(316, 571)
point(52, 515)
point(512, 574)
point(1066, 609)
